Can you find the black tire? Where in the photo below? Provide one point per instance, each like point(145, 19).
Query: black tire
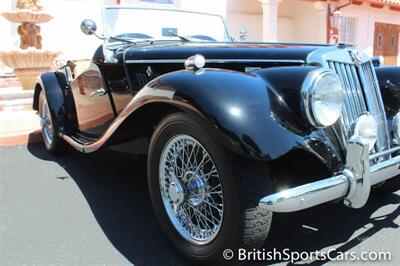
point(390, 186)
point(244, 182)
point(56, 145)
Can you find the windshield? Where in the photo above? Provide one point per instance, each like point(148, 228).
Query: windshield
point(161, 24)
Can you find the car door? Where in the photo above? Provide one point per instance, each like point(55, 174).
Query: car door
point(92, 100)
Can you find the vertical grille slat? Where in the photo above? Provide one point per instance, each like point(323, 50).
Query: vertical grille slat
point(346, 106)
point(349, 93)
point(361, 95)
point(355, 95)
point(358, 87)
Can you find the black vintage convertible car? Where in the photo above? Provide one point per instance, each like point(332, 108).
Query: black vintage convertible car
point(233, 131)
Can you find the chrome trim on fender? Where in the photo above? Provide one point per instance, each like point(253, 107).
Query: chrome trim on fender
point(213, 61)
point(353, 184)
point(137, 102)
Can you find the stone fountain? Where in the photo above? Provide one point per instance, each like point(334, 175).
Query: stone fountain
point(29, 60)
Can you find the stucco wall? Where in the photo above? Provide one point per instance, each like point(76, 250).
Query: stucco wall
point(252, 22)
point(301, 21)
point(298, 21)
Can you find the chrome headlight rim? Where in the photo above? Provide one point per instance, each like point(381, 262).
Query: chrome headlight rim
point(308, 90)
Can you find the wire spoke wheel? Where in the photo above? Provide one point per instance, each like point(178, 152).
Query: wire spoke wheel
point(204, 196)
point(191, 189)
point(46, 123)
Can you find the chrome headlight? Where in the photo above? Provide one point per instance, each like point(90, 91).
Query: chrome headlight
point(322, 95)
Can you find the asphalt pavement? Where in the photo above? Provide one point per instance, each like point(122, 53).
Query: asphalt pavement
point(94, 209)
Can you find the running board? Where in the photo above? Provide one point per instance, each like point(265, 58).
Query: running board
point(81, 141)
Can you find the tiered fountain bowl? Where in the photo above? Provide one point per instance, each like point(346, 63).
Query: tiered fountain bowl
point(29, 63)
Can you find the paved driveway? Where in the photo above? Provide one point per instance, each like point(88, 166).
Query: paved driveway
point(94, 209)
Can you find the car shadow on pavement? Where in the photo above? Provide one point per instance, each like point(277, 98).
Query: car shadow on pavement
point(328, 225)
point(115, 186)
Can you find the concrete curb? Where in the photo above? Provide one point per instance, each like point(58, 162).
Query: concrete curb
point(22, 139)
point(15, 93)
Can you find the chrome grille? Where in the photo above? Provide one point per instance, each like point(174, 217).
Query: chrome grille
point(362, 94)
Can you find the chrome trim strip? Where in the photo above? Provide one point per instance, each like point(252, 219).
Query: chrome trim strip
point(138, 101)
point(213, 61)
point(383, 153)
point(156, 61)
point(334, 54)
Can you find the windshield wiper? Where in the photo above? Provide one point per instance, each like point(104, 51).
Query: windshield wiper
point(131, 42)
point(122, 39)
point(184, 39)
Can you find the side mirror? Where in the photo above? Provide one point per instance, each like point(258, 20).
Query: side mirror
point(378, 61)
point(88, 27)
point(243, 34)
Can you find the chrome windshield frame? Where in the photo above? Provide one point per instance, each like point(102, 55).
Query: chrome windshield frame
point(104, 10)
point(109, 57)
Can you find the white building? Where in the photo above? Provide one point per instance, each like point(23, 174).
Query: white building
point(373, 25)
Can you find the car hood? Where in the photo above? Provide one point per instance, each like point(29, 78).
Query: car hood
point(243, 51)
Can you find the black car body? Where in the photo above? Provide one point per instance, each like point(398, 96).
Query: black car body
point(254, 99)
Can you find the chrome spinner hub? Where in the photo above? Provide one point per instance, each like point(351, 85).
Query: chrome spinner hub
point(176, 193)
point(196, 188)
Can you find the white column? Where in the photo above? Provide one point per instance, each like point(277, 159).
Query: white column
point(270, 20)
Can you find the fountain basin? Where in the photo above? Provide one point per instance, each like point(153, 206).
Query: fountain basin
point(22, 16)
point(28, 64)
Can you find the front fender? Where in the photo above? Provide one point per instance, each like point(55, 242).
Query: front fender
point(246, 115)
point(389, 83)
point(59, 99)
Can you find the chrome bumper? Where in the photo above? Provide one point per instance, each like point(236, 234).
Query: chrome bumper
point(353, 184)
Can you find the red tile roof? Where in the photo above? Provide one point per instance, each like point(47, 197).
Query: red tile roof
point(391, 2)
